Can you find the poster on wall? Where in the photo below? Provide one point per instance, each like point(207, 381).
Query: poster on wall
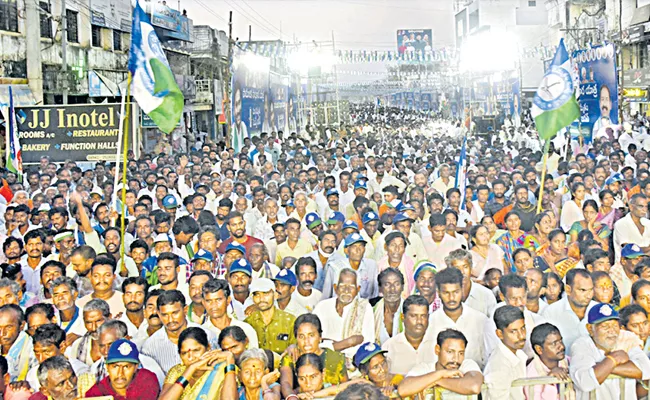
point(279, 95)
point(250, 96)
point(425, 102)
point(598, 90)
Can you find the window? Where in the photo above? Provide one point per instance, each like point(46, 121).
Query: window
point(96, 36)
point(46, 21)
point(532, 3)
point(9, 15)
point(73, 26)
point(117, 40)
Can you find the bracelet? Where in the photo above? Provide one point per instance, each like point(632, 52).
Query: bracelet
point(613, 360)
point(267, 391)
point(230, 368)
point(182, 381)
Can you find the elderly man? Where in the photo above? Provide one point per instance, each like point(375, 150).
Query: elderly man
point(347, 320)
point(64, 293)
point(125, 379)
point(549, 360)
point(476, 296)
point(86, 348)
point(366, 269)
point(607, 351)
point(16, 344)
point(388, 307)
point(57, 379)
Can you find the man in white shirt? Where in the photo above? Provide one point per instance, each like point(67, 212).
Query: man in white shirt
point(507, 362)
point(452, 371)
point(569, 314)
point(603, 353)
point(514, 291)
point(285, 285)
point(476, 296)
point(455, 315)
point(306, 295)
point(634, 227)
point(413, 346)
point(347, 319)
point(439, 244)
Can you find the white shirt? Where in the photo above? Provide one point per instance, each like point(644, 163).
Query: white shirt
point(308, 302)
point(403, 357)
point(32, 375)
point(625, 231)
point(503, 367)
point(332, 323)
point(115, 303)
point(437, 252)
point(294, 308)
point(481, 299)
point(585, 356)
point(253, 341)
point(562, 316)
point(471, 323)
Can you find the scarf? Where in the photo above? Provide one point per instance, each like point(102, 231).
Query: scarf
point(378, 311)
point(83, 351)
point(353, 324)
point(18, 357)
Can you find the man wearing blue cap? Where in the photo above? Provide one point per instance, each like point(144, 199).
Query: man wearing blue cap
point(622, 273)
point(607, 351)
point(285, 286)
point(125, 380)
point(355, 247)
point(332, 203)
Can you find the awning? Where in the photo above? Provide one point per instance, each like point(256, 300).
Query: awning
point(23, 96)
point(641, 15)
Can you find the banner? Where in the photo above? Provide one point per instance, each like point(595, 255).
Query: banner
point(414, 40)
point(176, 24)
point(252, 106)
point(112, 14)
point(598, 90)
point(425, 102)
point(279, 91)
point(74, 132)
point(508, 96)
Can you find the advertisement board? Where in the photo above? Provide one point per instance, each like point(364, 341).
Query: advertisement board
point(598, 89)
point(177, 25)
point(74, 132)
point(414, 40)
point(113, 14)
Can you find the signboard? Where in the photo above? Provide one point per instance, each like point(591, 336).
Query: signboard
point(637, 77)
point(113, 14)
point(414, 40)
point(147, 122)
point(171, 20)
point(598, 89)
point(636, 95)
point(78, 133)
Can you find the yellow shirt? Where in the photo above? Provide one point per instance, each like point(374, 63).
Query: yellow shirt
point(302, 249)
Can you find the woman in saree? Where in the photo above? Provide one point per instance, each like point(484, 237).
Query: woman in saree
point(257, 382)
point(203, 372)
point(495, 232)
point(555, 258)
point(600, 231)
point(307, 331)
point(572, 209)
point(537, 241)
point(310, 372)
point(512, 239)
point(607, 214)
point(485, 255)
point(234, 340)
point(553, 288)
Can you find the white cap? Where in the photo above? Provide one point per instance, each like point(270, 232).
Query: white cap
point(262, 285)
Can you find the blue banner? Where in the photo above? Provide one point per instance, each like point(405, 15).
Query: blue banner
point(176, 25)
point(598, 90)
point(425, 101)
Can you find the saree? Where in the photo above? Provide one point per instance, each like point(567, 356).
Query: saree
point(207, 387)
point(562, 267)
point(610, 218)
point(603, 231)
point(509, 244)
point(333, 362)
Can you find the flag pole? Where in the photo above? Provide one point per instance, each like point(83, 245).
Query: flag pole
point(120, 135)
point(541, 185)
point(124, 164)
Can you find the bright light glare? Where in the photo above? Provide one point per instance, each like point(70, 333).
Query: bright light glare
point(253, 62)
point(303, 60)
point(489, 52)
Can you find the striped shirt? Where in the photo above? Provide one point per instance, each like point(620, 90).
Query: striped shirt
point(165, 352)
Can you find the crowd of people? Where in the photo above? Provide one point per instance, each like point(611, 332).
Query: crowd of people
point(340, 263)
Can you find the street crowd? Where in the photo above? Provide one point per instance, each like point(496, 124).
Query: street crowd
point(342, 263)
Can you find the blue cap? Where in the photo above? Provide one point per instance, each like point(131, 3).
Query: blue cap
point(290, 203)
point(349, 224)
point(614, 178)
point(242, 265)
point(123, 350)
point(361, 184)
point(601, 312)
point(235, 246)
point(336, 217)
point(365, 352)
point(169, 201)
point(401, 207)
point(287, 277)
point(313, 220)
point(203, 255)
point(424, 266)
point(332, 192)
point(370, 216)
point(631, 251)
point(399, 217)
point(352, 239)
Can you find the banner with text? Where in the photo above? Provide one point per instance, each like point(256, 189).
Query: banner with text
point(598, 90)
point(78, 133)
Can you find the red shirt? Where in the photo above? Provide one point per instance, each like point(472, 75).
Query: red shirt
point(143, 387)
